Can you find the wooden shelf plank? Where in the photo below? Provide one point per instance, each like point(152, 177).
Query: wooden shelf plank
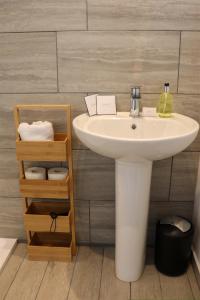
point(45, 188)
point(50, 246)
point(37, 217)
point(43, 150)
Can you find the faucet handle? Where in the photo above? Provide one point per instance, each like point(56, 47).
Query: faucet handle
point(135, 92)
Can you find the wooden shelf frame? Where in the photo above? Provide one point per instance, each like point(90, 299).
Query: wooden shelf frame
point(58, 150)
point(50, 246)
point(53, 189)
point(37, 218)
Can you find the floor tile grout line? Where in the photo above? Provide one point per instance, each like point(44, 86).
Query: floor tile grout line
point(76, 257)
point(179, 63)
point(160, 284)
point(130, 291)
point(195, 275)
point(14, 276)
point(103, 256)
point(190, 285)
point(41, 281)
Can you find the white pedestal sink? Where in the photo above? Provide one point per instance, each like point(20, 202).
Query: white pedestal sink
point(134, 150)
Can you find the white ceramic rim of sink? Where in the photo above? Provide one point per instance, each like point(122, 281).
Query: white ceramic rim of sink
point(195, 127)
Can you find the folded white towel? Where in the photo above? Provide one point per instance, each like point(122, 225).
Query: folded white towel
point(37, 131)
point(57, 173)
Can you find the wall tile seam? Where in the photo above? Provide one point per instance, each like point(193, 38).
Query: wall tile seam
point(157, 202)
point(170, 179)
point(86, 149)
point(87, 17)
point(98, 202)
point(89, 216)
point(102, 30)
point(179, 61)
point(83, 92)
point(19, 198)
point(57, 63)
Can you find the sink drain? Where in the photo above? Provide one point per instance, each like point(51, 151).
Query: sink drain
point(133, 126)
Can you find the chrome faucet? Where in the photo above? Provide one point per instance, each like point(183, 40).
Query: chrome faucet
point(135, 102)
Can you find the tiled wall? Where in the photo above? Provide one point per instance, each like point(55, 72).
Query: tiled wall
point(57, 51)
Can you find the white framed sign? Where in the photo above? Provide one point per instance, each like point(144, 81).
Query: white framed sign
point(106, 105)
point(91, 103)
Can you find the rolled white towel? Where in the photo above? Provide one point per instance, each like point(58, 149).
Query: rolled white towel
point(35, 173)
point(57, 173)
point(37, 131)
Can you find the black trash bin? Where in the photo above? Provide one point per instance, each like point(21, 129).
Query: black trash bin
point(173, 245)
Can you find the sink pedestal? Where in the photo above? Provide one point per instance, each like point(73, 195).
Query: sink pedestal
point(134, 150)
point(132, 181)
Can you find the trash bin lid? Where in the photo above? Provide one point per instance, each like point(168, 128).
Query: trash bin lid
point(180, 223)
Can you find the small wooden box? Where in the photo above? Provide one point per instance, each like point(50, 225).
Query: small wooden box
point(50, 246)
point(37, 218)
point(43, 151)
point(35, 188)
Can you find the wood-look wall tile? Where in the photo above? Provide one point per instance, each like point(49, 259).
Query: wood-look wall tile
point(189, 75)
point(82, 221)
point(160, 182)
point(11, 218)
point(159, 210)
point(48, 15)
point(123, 100)
point(8, 102)
point(9, 174)
point(108, 61)
point(102, 218)
point(94, 176)
point(102, 222)
point(87, 170)
point(184, 174)
point(28, 62)
point(143, 15)
point(189, 105)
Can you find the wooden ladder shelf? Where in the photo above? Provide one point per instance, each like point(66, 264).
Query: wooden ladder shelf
point(44, 244)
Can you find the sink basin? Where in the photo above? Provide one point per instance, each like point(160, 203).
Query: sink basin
point(134, 143)
point(152, 139)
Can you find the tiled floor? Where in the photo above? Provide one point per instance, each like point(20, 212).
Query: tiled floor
point(89, 277)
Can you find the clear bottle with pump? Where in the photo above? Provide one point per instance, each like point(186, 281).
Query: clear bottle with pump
point(165, 105)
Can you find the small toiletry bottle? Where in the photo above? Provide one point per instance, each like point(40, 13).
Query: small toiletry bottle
point(165, 105)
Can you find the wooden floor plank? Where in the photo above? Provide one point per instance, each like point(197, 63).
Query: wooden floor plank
point(193, 283)
point(87, 274)
point(10, 270)
point(111, 287)
point(56, 282)
point(175, 288)
point(92, 277)
point(28, 280)
point(148, 286)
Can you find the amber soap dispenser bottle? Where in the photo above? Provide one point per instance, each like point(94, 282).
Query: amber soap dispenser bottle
point(165, 105)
